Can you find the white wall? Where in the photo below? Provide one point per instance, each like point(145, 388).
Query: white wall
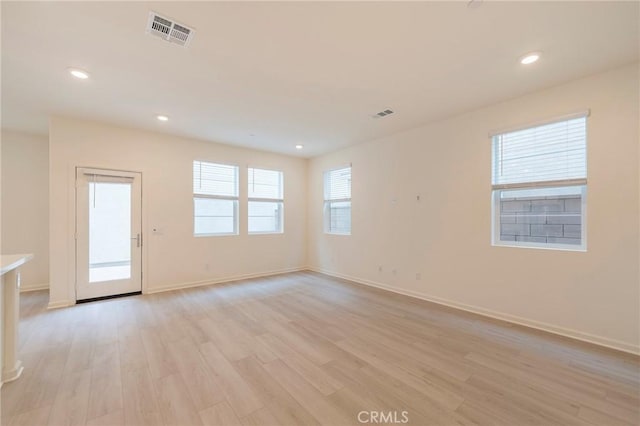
point(25, 203)
point(446, 236)
point(175, 258)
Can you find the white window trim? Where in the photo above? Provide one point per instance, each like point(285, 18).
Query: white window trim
point(495, 189)
point(267, 200)
point(236, 207)
point(326, 219)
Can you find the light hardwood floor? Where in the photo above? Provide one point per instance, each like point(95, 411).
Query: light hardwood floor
point(303, 349)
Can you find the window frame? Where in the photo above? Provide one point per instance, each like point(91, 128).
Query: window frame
point(581, 183)
point(326, 215)
point(235, 199)
point(495, 222)
point(279, 201)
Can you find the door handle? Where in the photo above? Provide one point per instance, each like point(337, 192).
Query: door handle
point(138, 240)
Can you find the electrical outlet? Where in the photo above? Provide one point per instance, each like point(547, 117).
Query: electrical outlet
point(380, 268)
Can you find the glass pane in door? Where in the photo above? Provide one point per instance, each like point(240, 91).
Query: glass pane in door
point(109, 231)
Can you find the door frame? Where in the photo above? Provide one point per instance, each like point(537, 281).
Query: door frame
point(73, 264)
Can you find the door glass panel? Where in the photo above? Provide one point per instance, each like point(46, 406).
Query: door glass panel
point(109, 231)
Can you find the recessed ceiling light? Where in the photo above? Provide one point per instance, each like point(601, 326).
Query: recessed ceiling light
point(530, 58)
point(82, 75)
point(299, 146)
point(162, 118)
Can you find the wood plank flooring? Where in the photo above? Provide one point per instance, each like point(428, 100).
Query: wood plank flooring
point(304, 349)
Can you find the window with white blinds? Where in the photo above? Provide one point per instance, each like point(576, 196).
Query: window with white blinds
point(337, 201)
point(215, 199)
point(539, 178)
point(266, 201)
point(554, 152)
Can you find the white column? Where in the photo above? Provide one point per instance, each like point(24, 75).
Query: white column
point(11, 366)
point(10, 314)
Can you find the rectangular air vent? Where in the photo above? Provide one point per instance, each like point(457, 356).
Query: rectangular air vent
point(382, 113)
point(169, 30)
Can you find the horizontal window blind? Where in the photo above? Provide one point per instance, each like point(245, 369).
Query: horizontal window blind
point(545, 153)
point(215, 201)
point(539, 178)
point(215, 179)
point(337, 184)
point(265, 184)
point(337, 201)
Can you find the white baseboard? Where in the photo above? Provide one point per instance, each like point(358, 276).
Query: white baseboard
point(222, 280)
point(566, 332)
point(60, 304)
point(34, 287)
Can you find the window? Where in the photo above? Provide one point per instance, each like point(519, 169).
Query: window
point(266, 201)
point(539, 179)
point(337, 201)
point(215, 199)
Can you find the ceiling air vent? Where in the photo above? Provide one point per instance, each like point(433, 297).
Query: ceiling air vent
point(382, 113)
point(169, 30)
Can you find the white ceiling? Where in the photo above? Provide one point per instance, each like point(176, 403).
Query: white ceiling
point(272, 75)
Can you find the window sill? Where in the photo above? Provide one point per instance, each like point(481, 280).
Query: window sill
point(556, 247)
point(234, 234)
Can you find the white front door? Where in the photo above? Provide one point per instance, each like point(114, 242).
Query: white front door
point(108, 233)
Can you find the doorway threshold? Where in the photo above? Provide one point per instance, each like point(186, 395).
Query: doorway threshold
point(113, 296)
